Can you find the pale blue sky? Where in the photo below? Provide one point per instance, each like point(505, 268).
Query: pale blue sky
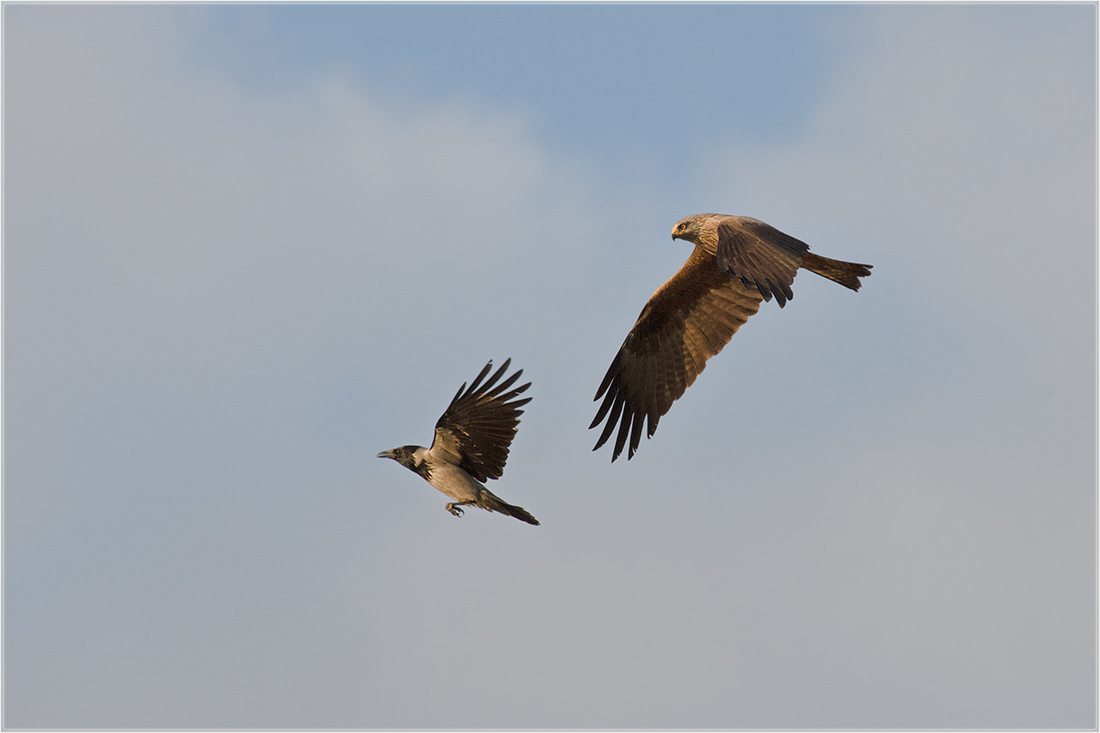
point(247, 247)
point(604, 77)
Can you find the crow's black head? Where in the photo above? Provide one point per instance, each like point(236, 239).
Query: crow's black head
point(407, 456)
point(403, 455)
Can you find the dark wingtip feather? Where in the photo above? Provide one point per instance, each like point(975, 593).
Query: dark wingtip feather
point(635, 433)
point(608, 378)
point(477, 382)
point(612, 419)
point(505, 384)
point(651, 424)
point(458, 393)
point(624, 431)
point(496, 375)
point(610, 398)
point(765, 291)
point(782, 293)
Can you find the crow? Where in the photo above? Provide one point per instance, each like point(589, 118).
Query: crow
point(471, 444)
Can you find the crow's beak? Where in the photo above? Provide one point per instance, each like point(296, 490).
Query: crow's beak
point(385, 454)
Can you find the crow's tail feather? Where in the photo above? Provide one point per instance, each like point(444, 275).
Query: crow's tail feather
point(494, 503)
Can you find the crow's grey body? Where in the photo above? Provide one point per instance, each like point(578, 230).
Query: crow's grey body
point(471, 444)
point(737, 262)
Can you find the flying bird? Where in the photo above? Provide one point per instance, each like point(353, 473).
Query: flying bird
point(737, 262)
point(471, 444)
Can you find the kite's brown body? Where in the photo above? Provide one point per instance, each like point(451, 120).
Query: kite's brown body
point(737, 262)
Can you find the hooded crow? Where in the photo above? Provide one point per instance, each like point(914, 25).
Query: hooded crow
point(737, 262)
point(471, 444)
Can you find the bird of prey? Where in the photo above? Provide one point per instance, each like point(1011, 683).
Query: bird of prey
point(737, 262)
point(471, 444)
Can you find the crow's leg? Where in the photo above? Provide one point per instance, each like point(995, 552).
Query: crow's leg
point(456, 507)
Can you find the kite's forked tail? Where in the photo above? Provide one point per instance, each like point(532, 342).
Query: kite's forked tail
point(845, 273)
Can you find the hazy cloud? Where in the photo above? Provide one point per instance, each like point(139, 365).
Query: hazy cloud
point(220, 301)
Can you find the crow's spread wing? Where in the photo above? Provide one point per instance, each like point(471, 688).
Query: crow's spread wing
point(688, 320)
point(477, 428)
point(760, 256)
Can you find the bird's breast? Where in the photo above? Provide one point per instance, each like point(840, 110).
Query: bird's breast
point(454, 482)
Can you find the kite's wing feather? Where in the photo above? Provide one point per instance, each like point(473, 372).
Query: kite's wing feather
point(759, 255)
point(688, 320)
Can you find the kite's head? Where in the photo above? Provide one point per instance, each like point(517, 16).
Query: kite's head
point(690, 227)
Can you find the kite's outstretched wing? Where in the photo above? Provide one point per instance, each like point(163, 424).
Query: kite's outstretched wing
point(759, 255)
point(688, 320)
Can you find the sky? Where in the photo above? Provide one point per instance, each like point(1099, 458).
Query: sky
point(247, 247)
